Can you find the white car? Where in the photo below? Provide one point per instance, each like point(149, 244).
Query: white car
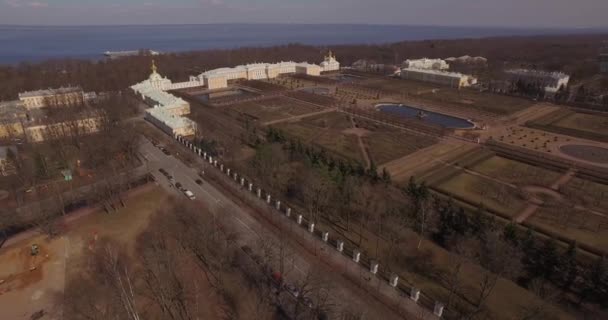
point(189, 194)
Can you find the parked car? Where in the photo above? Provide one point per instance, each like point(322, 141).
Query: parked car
point(165, 151)
point(163, 171)
point(178, 185)
point(292, 290)
point(307, 302)
point(199, 182)
point(189, 194)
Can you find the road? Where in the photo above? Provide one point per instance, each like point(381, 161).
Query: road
point(251, 231)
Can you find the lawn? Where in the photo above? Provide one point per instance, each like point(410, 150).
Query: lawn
point(516, 172)
point(274, 108)
point(579, 225)
point(592, 123)
point(387, 144)
point(326, 131)
point(398, 85)
point(494, 196)
point(482, 102)
point(593, 126)
point(587, 193)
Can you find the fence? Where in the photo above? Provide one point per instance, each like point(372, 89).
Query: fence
point(266, 200)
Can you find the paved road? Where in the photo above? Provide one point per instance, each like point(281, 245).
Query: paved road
point(251, 230)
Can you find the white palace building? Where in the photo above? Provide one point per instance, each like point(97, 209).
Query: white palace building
point(167, 110)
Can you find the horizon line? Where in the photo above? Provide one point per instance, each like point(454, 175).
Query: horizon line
point(556, 28)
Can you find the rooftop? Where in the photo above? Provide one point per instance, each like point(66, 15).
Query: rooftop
point(438, 72)
point(539, 73)
point(49, 92)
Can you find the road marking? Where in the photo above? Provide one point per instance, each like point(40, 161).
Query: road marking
point(244, 224)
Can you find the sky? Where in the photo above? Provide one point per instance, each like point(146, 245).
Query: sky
point(495, 13)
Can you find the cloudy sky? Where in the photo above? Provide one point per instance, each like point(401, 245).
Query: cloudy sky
point(512, 13)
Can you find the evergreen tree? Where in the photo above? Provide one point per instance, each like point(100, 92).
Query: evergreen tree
point(568, 266)
point(548, 259)
point(386, 176)
point(510, 233)
point(596, 288)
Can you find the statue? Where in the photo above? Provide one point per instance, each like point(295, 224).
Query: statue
point(153, 66)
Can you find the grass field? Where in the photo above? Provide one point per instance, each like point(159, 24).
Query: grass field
point(516, 172)
point(587, 193)
point(327, 131)
point(578, 225)
point(495, 196)
point(274, 108)
point(593, 126)
point(398, 85)
point(592, 123)
point(386, 144)
point(481, 102)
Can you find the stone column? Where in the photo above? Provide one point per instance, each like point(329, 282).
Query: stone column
point(325, 236)
point(288, 212)
point(394, 281)
point(415, 294)
point(438, 310)
point(268, 198)
point(259, 193)
point(299, 220)
point(311, 228)
point(356, 255)
point(278, 205)
point(340, 245)
point(373, 267)
point(250, 186)
point(242, 182)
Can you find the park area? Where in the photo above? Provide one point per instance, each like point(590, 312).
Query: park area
point(327, 131)
point(274, 108)
point(477, 102)
point(586, 125)
point(338, 133)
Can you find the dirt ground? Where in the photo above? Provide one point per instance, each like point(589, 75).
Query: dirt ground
point(31, 283)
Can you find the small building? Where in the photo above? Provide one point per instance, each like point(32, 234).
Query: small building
point(452, 79)
point(52, 97)
point(426, 64)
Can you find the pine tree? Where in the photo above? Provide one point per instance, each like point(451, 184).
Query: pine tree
point(549, 259)
point(510, 233)
point(386, 176)
point(568, 266)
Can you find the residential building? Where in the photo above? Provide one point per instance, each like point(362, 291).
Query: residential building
point(551, 81)
point(87, 124)
point(52, 97)
point(427, 64)
point(13, 116)
point(452, 79)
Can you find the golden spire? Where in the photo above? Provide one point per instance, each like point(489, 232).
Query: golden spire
point(153, 66)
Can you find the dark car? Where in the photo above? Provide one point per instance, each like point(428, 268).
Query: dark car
point(163, 171)
point(165, 151)
point(178, 185)
point(199, 182)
